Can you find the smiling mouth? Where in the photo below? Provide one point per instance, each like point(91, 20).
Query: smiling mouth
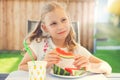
point(62, 32)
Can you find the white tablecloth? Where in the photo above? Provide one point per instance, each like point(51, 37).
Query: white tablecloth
point(23, 75)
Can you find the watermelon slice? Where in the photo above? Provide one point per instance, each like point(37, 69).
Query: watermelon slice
point(75, 71)
point(67, 71)
point(59, 71)
point(70, 70)
point(78, 72)
point(64, 54)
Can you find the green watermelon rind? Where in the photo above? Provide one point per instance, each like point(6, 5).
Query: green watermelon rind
point(59, 71)
point(54, 70)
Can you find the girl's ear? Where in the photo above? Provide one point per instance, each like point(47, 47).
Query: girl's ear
point(43, 26)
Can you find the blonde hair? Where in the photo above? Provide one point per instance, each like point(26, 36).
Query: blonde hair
point(37, 33)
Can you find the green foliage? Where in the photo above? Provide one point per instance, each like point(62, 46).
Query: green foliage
point(110, 56)
point(9, 61)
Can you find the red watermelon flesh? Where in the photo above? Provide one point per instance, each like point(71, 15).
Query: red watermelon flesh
point(70, 70)
point(64, 54)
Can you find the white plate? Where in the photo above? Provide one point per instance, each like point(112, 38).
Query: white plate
point(62, 76)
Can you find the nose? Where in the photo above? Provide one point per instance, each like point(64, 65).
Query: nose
point(60, 25)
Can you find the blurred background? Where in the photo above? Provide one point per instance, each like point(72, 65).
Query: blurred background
point(97, 22)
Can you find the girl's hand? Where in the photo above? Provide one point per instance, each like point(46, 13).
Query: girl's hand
point(52, 58)
point(81, 62)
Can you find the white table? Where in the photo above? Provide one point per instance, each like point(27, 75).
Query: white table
point(114, 76)
point(23, 75)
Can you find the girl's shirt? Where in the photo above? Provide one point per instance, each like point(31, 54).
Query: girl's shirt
point(46, 45)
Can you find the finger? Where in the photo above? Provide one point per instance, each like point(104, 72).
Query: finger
point(52, 59)
point(52, 56)
point(80, 60)
point(83, 65)
point(49, 63)
point(77, 57)
point(52, 53)
point(80, 63)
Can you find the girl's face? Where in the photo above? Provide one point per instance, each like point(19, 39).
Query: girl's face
point(57, 24)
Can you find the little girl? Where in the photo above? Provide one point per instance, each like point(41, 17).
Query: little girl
point(54, 30)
